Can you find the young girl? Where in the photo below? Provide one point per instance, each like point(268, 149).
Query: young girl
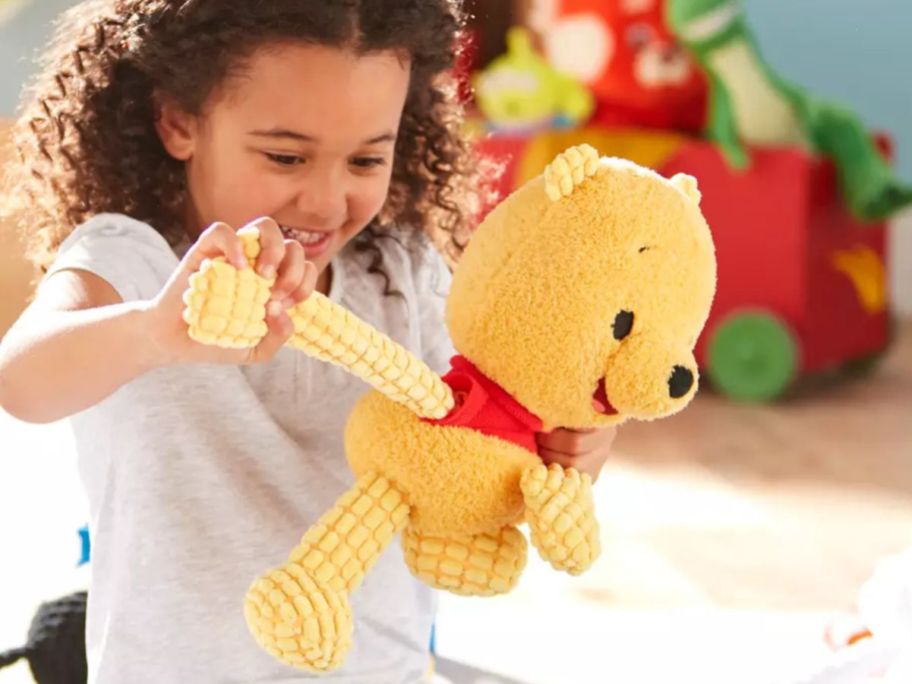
point(159, 127)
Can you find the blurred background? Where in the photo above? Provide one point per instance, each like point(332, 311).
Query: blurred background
point(737, 533)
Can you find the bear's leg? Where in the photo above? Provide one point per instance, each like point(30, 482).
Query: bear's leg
point(561, 516)
point(471, 565)
point(300, 612)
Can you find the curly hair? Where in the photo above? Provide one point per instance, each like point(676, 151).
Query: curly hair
point(86, 137)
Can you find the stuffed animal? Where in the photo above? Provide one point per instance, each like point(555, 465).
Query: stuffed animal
point(520, 92)
point(752, 105)
point(577, 304)
point(623, 51)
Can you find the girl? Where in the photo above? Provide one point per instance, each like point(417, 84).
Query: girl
point(158, 128)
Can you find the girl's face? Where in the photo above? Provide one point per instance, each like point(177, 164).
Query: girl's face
point(304, 134)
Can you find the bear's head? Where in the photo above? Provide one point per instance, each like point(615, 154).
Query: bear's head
point(584, 292)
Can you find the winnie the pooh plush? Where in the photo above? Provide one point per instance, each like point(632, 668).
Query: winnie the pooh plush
point(577, 304)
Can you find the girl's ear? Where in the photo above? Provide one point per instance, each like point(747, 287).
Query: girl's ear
point(176, 128)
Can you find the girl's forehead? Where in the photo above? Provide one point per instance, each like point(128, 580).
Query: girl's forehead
point(315, 86)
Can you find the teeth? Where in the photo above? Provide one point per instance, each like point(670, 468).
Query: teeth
point(305, 237)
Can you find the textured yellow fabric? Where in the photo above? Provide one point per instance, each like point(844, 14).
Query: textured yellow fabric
point(569, 170)
point(226, 307)
point(534, 305)
point(538, 289)
point(561, 516)
point(648, 147)
point(472, 565)
point(300, 612)
point(457, 481)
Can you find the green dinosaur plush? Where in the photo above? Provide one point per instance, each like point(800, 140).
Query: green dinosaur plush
point(752, 105)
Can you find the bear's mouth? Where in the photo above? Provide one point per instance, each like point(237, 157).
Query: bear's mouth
point(600, 400)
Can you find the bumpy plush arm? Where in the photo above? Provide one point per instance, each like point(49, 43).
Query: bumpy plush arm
point(227, 307)
point(300, 612)
point(561, 516)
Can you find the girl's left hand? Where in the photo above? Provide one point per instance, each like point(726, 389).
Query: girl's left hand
point(585, 450)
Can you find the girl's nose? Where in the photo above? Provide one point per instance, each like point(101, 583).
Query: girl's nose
point(322, 200)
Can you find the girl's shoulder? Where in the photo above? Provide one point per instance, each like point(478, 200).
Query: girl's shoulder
point(134, 258)
point(107, 228)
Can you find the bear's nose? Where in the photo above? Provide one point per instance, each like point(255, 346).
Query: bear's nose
point(680, 382)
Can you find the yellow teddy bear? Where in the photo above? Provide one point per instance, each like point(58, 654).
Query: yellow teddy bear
point(577, 304)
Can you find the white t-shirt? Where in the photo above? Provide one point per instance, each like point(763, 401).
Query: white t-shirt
point(201, 477)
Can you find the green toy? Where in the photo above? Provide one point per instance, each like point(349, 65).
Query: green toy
point(521, 91)
point(752, 105)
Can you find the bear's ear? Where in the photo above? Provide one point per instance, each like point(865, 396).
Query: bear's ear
point(569, 169)
point(687, 185)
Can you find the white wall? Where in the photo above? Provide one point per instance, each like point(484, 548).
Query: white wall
point(901, 266)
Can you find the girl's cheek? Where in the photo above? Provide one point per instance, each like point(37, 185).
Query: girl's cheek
point(366, 206)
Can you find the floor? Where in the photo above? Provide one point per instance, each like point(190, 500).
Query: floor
point(732, 535)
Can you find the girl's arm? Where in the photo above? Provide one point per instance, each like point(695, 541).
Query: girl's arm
point(78, 341)
point(76, 344)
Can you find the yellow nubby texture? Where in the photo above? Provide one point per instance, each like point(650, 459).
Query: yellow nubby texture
point(568, 171)
point(300, 612)
point(298, 620)
point(346, 540)
point(471, 565)
point(561, 516)
point(332, 333)
point(227, 308)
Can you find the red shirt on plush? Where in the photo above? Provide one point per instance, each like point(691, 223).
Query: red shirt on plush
point(483, 405)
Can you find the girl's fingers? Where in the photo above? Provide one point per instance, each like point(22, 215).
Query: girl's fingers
point(217, 240)
point(291, 271)
point(305, 288)
point(574, 441)
point(272, 247)
point(280, 329)
point(550, 456)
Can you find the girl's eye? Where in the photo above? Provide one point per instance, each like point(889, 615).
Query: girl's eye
point(284, 159)
point(368, 162)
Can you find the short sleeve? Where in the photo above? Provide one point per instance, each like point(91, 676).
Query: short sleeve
point(432, 285)
point(129, 255)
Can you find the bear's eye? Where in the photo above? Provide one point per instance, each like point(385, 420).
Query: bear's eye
point(623, 324)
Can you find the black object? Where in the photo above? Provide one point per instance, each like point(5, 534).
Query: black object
point(56, 642)
point(623, 324)
point(680, 382)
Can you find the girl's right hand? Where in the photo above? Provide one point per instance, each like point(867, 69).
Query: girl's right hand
point(295, 279)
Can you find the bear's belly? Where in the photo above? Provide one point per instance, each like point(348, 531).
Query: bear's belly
point(456, 480)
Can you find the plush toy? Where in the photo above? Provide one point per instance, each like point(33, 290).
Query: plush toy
point(623, 51)
point(577, 304)
point(520, 91)
point(752, 105)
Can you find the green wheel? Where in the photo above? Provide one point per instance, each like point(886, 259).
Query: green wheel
point(752, 357)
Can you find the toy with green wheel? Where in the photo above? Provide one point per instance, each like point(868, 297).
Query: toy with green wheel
point(752, 356)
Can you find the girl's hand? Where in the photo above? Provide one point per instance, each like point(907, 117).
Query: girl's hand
point(585, 450)
point(295, 279)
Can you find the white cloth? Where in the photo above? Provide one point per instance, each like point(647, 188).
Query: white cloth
point(201, 477)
